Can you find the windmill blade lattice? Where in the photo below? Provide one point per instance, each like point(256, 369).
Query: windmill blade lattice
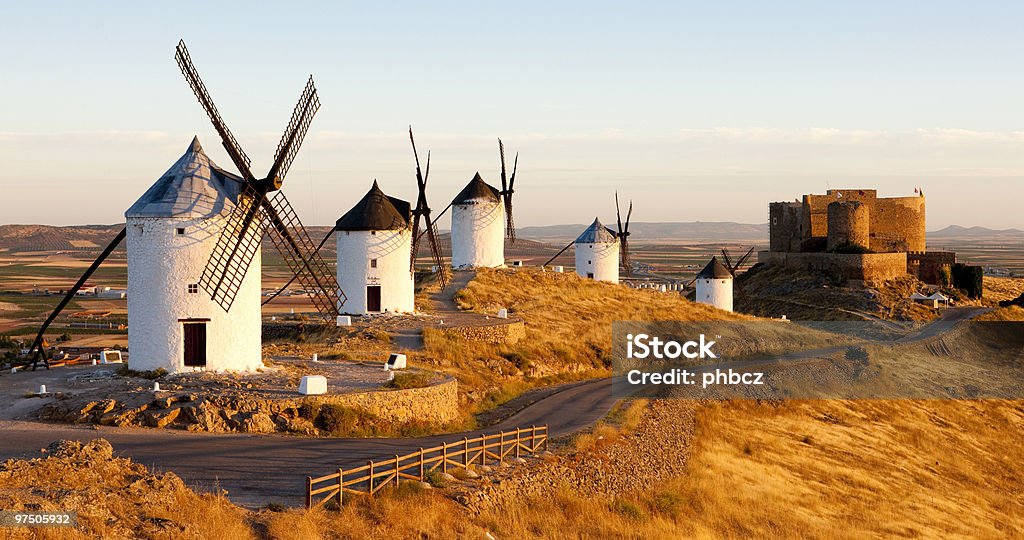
point(301, 254)
point(236, 246)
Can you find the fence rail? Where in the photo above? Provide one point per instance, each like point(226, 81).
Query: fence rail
point(376, 475)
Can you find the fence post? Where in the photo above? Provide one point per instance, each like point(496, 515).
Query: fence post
point(546, 437)
point(533, 439)
point(501, 448)
point(341, 488)
point(309, 492)
point(397, 469)
point(422, 471)
point(517, 443)
point(483, 449)
point(465, 452)
point(370, 463)
point(444, 457)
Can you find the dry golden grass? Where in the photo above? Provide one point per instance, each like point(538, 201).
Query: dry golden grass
point(567, 331)
point(999, 288)
point(115, 498)
point(1011, 313)
point(854, 469)
point(624, 418)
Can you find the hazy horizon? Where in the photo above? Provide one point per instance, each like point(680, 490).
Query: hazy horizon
point(692, 111)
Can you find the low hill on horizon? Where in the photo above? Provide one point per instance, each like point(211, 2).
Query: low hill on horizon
point(84, 238)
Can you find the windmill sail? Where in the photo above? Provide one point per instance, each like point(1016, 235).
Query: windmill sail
point(254, 213)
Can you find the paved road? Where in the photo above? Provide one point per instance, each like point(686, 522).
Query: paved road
point(259, 469)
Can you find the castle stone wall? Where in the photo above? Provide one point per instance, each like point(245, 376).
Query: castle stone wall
point(926, 265)
point(849, 223)
point(785, 224)
point(859, 266)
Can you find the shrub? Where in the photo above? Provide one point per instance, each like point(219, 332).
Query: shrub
point(379, 335)
point(404, 380)
point(309, 410)
point(435, 478)
point(627, 508)
point(124, 371)
point(668, 503)
point(337, 418)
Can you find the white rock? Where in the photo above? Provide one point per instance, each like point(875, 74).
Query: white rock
point(156, 386)
point(502, 313)
point(344, 320)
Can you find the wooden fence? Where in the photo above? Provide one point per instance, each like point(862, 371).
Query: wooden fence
point(376, 475)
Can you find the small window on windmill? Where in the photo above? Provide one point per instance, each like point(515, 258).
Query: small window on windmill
point(193, 288)
point(590, 262)
point(373, 263)
point(374, 233)
point(180, 230)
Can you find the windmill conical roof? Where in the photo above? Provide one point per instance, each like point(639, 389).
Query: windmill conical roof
point(477, 191)
point(714, 270)
point(194, 187)
point(375, 212)
point(597, 233)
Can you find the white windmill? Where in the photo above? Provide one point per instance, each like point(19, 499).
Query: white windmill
point(597, 253)
point(482, 219)
point(600, 250)
point(374, 241)
point(714, 285)
point(172, 231)
point(377, 243)
point(193, 243)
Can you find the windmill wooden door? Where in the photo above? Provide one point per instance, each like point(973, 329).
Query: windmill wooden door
point(195, 344)
point(373, 298)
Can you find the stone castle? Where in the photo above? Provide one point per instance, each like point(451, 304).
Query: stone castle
point(855, 234)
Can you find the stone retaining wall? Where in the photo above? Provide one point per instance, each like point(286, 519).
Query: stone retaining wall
point(507, 333)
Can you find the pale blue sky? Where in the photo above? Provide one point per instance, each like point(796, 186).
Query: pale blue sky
point(696, 111)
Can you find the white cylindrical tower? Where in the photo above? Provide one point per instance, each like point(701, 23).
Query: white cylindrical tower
point(172, 229)
point(374, 242)
point(714, 285)
point(597, 253)
point(478, 226)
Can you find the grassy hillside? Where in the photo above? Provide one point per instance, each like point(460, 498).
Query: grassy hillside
point(568, 330)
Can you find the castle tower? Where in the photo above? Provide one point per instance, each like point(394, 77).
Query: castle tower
point(171, 232)
point(714, 285)
point(597, 253)
point(478, 226)
point(849, 224)
point(374, 241)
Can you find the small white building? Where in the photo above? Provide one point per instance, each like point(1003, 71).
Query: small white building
point(171, 232)
point(478, 226)
point(374, 242)
point(597, 253)
point(714, 285)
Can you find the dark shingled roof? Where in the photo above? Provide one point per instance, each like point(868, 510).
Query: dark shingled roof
point(714, 270)
point(477, 191)
point(375, 212)
point(597, 233)
point(194, 187)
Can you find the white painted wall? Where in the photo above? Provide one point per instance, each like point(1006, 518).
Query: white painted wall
point(478, 235)
point(392, 249)
point(601, 259)
point(715, 292)
point(161, 265)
